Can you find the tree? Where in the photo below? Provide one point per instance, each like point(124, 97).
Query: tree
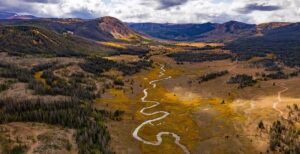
point(261, 125)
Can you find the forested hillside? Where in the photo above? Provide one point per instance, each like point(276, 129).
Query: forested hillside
point(34, 40)
point(284, 42)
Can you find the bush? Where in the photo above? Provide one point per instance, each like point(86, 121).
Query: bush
point(22, 74)
point(197, 57)
point(243, 80)
point(119, 82)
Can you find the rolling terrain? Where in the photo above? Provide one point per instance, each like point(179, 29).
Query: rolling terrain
point(93, 86)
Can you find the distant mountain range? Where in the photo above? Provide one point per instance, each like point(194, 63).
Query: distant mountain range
point(109, 28)
point(8, 15)
point(207, 32)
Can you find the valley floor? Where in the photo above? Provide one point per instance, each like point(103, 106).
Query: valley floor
point(211, 117)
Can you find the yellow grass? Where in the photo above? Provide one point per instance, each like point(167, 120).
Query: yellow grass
point(226, 111)
point(198, 44)
point(118, 101)
point(38, 77)
point(114, 45)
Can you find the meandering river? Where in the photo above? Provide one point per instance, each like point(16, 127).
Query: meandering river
point(159, 140)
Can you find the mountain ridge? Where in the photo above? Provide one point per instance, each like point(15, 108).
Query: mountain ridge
point(225, 32)
point(10, 15)
point(99, 29)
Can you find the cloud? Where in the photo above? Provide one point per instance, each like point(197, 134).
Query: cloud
point(139, 16)
point(83, 13)
point(165, 4)
point(42, 1)
point(171, 11)
point(258, 7)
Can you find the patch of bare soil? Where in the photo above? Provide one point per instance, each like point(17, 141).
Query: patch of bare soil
point(37, 138)
point(29, 61)
point(21, 92)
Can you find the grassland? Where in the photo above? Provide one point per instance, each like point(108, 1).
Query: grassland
point(211, 117)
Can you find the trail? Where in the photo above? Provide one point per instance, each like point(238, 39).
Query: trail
point(164, 115)
point(231, 68)
point(279, 99)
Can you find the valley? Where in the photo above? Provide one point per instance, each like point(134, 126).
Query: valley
point(211, 122)
point(98, 86)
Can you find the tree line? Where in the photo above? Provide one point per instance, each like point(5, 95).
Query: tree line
point(198, 56)
point(97, 65)
point(211, 76)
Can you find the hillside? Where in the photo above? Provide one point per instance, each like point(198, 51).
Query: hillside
point(33, 40)
point(262, 28)
point(283, 41)
point(228, 31)
point(100, 29)
point(176, 32)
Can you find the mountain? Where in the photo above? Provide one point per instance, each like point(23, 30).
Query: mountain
point(262, 28)
point(228, 31)
point(207, 32)
point(34, 40)
point(103, 29)
point(282, 40)
point(8, 15)
point(100, 29)
point(176, 32)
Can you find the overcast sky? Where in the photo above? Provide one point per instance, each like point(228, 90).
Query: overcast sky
point(171, 11)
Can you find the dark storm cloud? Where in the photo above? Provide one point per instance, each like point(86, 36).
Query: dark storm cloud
point(23, 6)
point(165, 4)
point(4, 7)
point(42, 1)
point(84, 14)
point(258, 7)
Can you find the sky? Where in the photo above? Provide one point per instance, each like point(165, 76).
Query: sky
point(162, 11)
